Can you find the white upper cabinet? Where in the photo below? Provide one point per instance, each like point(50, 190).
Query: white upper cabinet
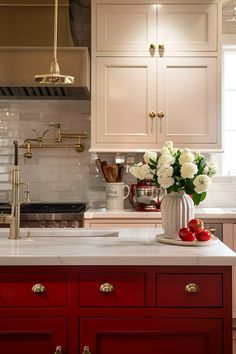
point(155, 75)
point(187, 95)
point(125, 28)
point(183, 27)
point(134, 28)
point(126, 94)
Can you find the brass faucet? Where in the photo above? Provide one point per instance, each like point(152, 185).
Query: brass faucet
point(40, 142)
point(13, 219)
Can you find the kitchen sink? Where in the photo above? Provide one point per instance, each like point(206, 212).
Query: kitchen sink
point(61, 232)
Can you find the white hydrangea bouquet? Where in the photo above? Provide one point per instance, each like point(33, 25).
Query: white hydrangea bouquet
point(177, 170)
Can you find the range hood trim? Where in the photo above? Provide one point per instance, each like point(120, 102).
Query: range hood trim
point(18, 66)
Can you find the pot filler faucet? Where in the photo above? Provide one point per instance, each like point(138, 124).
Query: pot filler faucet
point(13, 219)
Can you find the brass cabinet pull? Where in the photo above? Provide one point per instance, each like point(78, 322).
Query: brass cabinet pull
point(86, 350)
point(58, 350)
point(106, 288)
point(152, 46)
point(161, 49)
point(192, 288)
point(161, 114)
point(152, 114)
point(212, 230)
point(38, 288)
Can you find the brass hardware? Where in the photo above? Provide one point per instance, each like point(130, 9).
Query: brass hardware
point(161, 114)
point(161, 49)
point(192, 288)
point(13, 219)
point(27, 192)
point(152, 49)
point(152, 114)
point(58, 350)
point(38, 288)
point(212, 230)
point(40, 137)
point(40, 142)
point(106, 288)
point(61, 136)
point(86, 350)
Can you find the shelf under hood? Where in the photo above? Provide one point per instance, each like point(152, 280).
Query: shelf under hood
point(19, 65)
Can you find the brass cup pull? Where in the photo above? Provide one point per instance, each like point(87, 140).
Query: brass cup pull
point(106, 288)
point(192, 288)
point(160, 114)
point(38, 288)
point(58, 350)
point(212, 230)
point(152, 114)
point(86, 350)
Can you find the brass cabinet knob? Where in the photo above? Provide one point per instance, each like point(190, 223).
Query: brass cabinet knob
point(86, 350)
point(38, 288)
point(152, 46)
point(152, 114)
point(192, 288)
point(212, 230)
point(106, 288)
point(58, 350)
point(161, 114)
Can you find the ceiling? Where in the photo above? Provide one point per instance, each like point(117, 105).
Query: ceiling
point(228, 12)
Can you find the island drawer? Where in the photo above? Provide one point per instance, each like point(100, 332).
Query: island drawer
point(33, 289)
point(189, 290)
point(112, 289)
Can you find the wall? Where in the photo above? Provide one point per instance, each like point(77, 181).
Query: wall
point(54, 174)
point(64, 174)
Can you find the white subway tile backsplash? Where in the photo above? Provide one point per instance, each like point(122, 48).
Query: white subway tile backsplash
point(63, 174)
point(5, 186)
point(5, 177)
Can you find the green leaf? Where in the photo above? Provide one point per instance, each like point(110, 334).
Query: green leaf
point(202, 164)
point(198, 198)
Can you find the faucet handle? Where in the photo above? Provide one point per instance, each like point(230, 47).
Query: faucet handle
point(55, 125)
point(40, 137)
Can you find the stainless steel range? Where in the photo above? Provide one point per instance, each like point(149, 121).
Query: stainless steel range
point(49, 214)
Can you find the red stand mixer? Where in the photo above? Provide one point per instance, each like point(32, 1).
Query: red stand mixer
point(146, 196)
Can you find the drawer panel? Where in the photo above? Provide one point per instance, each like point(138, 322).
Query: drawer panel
point(172, 292)
point(126, 290)
point(16, 290)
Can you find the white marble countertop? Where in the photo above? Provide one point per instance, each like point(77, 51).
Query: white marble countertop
point(91, 247)
point(210, 213)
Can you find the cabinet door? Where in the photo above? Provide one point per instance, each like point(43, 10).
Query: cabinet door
point(187, 27)
point(125, 28)
point(32, 335)
point(125, 94)
point(187, 94)
point(150, 335)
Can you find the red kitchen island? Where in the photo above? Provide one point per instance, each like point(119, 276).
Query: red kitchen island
point(112, 292)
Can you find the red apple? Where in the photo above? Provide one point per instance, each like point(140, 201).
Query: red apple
point(205, 235)
point(186, 234)
point(196, 225)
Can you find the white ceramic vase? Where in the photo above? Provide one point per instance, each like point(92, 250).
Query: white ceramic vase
point(177, 208)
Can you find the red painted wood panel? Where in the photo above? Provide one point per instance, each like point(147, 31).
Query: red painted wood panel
point(171, 290)
point(129, 290)
point(15, 289)
point(150, 335)
point(32, 335)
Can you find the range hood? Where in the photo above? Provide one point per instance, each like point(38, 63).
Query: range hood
point(23, 56)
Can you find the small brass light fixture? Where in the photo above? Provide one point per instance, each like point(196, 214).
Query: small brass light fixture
point(54, 76)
